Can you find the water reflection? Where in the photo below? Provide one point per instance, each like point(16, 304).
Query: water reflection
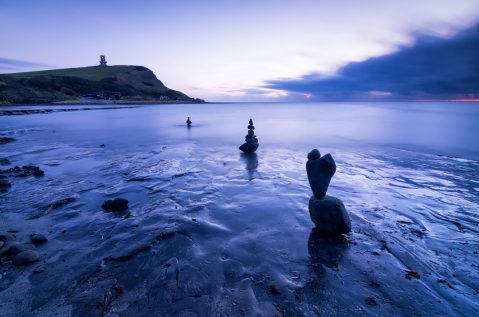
point(325, 250)
point(251, 161)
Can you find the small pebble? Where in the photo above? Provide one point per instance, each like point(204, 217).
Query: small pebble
point(116, 204)
point(38, 238)
point(273, 290)
point(371, 301)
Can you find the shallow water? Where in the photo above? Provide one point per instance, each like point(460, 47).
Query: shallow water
point(212, 232)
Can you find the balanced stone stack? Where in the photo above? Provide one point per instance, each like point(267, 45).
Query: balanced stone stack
point(188, 122)
point(327, 212)
point(251, 142)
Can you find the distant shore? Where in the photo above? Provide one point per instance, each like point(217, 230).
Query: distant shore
point(104, 102)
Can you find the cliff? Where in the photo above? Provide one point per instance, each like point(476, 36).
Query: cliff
point(122, 83)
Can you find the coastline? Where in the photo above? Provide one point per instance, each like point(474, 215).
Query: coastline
point(106, 102)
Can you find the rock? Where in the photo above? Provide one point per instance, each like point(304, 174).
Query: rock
point(6, 140)
point(412, 274)
point(32, 170)
point(38, 238)
point(314, 155)
point(251, 142)
point(5, 161)
point(371, 301)
point(13, 247)
point(59, 203)
point(116, 204)
point(273, 290)
point(4, 185)
point(1, 244)
point(329, 215)
point(320, 171)
point(24, 171)
point(188, 122)
point(248, 147)
point(5, 236)
point(25, 258)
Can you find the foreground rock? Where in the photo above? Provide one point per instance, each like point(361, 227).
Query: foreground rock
point(25, 258)
point(4, 185)
point(117, 204)
point(24, 171)
point(38, 238)
point(251, 142)
point(320, 171)
point(327, 213)
point(4, 140)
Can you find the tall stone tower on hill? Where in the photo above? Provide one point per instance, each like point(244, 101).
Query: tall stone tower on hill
point(102, 60)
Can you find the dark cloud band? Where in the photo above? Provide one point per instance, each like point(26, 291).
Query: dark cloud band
point(434, 68)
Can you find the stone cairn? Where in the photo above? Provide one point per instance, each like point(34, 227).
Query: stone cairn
point(327, 212)
point(251, 142)
point(188, 122)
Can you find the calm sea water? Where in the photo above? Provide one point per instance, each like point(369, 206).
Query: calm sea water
point(211, 232)
point(438, 128)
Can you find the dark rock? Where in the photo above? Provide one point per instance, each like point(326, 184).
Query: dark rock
point(412, 274)
point(273, 290)
point(32, 170)
point(251, 142)
point(13, 247)
point(249, 147)
point(117, 204)
point(6, 140)
point(314, 155)
point(5, 236)
point(5, 161)
point(24, 171)
point(329, 215)
point(370, 301)
point(102, 145)
point(59, 203)
point(188, 122)
point(4, 185)
point(38, 238)
point(320, 171)
point(25, 258)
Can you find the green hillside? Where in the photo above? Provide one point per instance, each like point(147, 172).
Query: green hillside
point(126, 83)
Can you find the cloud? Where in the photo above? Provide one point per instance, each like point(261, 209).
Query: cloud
point(433, 68)
point(8, 64)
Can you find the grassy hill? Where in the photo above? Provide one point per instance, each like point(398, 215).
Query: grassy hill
point(127, 83)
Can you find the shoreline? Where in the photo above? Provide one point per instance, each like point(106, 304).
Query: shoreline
point(105, 102)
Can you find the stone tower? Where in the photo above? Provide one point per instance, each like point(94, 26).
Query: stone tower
point(251, 141)
point(102, 60)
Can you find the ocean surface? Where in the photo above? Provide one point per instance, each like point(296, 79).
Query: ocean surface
point(213, 232)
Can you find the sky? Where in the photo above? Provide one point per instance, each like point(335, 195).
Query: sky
point(259, 50)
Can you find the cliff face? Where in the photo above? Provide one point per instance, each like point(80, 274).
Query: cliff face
point(128, 83)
